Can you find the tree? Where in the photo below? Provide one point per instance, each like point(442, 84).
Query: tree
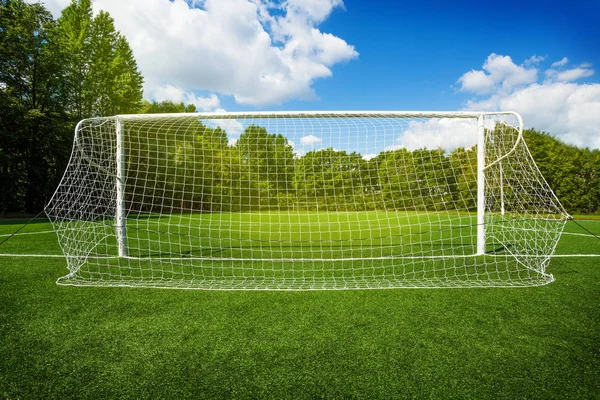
point(267, 167)
point(329, 179)
point(464, 166)
point(573, 173)
point(52, 74)
point(419, 180)
point(167, 106)
point(32, 125)
point(71, 39)
point(101, 76)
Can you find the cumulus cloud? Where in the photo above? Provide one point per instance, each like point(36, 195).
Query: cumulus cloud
point(233, 127)
point(572, 74)
point(499, 73)
point(54, 6)
point(476, 82)
point(560, 63)
point(178, 95)
point(258, 51)
point(558, 105)
point(445, 133)
point(534, 59)
point(299, 154)
point(368, 157)
point(310, 140)
point(393, 147)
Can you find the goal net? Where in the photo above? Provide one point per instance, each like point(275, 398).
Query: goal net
point(305, 200)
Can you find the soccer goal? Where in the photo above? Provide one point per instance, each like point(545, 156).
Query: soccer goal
point(305, 200)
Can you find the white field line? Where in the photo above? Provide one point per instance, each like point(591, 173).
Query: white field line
point(25, 233)
point(38, 255)
point(282, 219)
point(440, 225)
point(578, 234)
point(301, 259)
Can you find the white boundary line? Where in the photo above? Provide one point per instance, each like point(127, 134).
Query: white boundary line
point(578, 234)
point(296, 260)
point(34, 255)
point(25, 233)
point(308, 223)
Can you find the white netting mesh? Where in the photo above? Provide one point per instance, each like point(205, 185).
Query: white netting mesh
point(303, 201)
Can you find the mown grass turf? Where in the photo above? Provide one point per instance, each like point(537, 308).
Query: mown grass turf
point(59, 342)
point(300, 250)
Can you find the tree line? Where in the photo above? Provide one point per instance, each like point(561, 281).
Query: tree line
point(53, 73)
point(194, 168)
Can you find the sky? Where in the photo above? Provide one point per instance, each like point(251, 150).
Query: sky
point(539, 58)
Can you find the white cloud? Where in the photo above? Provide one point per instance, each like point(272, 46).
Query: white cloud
point(567, 110)
point(393, 147)
point(534, 59)
point(557, 73)
point(177, 95)
point(328, 148)
point(299, 153)
point(232, 142)
point(560, 63)
point(368, 157)
point(476, 82)
point(257, 51)
point(569, 74)
point(315, 10)
point(310, 140)
point(499, 73)
point(445, 133)
point(233, 127)
point(54, 6)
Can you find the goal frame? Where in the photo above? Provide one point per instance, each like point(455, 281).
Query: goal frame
point(121, 209)
point(127, 172)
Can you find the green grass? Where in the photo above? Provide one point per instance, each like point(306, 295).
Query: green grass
point(299, 250)
point(84, 342)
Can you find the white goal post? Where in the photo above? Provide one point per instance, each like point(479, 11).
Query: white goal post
point(305, 200)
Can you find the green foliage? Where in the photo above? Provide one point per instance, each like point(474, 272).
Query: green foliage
point(464, 168)
point(101, 74)
point(261, 172)
point(266, 166)
point(418, 180)
point(331, 180)
point(52, 74)
point(33, 139)
point(72, 41)
point(573, 173)
point(167, 107)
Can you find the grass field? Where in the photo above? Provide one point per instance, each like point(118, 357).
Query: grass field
point(59, 342)
point(309, 250)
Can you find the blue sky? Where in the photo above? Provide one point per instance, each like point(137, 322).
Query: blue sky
point(411, 55)
point(535, 57)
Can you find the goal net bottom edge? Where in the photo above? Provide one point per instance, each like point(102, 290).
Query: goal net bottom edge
point(310, 284)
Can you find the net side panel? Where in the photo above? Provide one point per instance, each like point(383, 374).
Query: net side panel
point(82, 209)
